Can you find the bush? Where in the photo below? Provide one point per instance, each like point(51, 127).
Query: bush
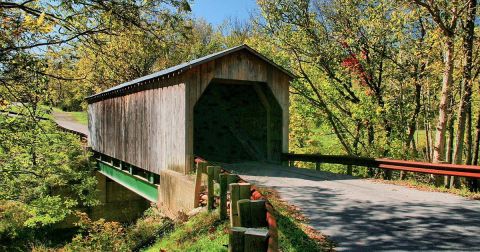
point(98, 235)
point(101, 235)
point(149, 228)
point(13, 215)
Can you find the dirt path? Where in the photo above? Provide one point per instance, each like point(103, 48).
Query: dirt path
point(68, 122)
point(362, 215)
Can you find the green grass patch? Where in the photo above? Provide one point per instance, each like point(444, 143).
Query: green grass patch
point(203, 232)
point(81, 117)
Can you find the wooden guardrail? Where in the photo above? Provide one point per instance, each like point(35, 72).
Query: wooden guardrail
point(252, 224)
point(468, 171)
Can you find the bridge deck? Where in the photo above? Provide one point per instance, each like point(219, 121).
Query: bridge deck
point(364, 215)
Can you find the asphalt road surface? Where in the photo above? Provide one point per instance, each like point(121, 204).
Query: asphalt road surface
point(362, 215)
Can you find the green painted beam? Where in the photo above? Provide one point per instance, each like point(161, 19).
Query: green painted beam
point(140, 186)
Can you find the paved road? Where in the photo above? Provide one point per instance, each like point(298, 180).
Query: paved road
point(362, 215)
point(66, 121)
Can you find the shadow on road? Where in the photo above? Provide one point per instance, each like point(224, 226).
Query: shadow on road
point(362, 215)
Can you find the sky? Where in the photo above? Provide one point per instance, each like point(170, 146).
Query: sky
point(216, 11)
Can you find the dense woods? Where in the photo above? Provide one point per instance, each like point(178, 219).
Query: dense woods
point(378, 78)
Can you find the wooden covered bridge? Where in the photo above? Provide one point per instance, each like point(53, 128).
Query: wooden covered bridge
point(225, 107)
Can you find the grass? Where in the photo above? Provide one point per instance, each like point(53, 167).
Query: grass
point(294, 233)
point(81, 117)
point(203, 232)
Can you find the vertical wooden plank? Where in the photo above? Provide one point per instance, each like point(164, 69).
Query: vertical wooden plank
point(211, 198)
point(198, 184)
point(244, 190)
point(236, 239)
point(258, 213)
point(244, 214)
point(256, 240)
point(252, 213)
point(238, 191)
point(223, 196)
point(216, 173)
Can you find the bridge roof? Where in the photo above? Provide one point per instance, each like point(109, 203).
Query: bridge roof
point(122, 88)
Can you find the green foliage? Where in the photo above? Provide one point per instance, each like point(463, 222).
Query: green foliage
point(98, 236)
point(203, 232)
point(368, 72)
point(102, 235)
point(44, 173)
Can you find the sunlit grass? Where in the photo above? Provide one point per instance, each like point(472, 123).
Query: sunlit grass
point(203, 232)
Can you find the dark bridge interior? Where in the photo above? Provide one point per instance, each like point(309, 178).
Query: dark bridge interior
point(238, 122)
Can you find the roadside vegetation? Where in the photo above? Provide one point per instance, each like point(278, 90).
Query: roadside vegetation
point(203, 232)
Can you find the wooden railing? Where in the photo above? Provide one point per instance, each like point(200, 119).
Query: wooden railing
point(252, 222)
point(468, 171)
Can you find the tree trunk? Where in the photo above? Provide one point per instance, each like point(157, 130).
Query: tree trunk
point(466, 93)
point(476, 145)
point(474, 184)
point(439, 145)
point(468, 132)
point(413, 121)
point(449, 151)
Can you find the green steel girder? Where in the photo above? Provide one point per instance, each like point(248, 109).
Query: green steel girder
point(138, 185)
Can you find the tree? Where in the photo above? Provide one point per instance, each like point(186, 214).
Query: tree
point(464, 107)
point(446, 16)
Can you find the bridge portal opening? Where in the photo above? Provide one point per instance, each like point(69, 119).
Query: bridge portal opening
point(237, 121)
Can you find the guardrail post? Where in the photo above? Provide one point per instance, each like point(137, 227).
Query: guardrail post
point(238, 191)
point(252, 213)
point(237, 239)
point(349, 170)
point(223, 180)
point(198, 182)
point(256, 239)
point(210, 202)
point(317, 166)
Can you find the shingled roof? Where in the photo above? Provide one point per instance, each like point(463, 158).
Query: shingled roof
point(122, 88)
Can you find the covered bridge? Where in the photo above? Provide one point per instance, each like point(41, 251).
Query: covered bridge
point(227, 106)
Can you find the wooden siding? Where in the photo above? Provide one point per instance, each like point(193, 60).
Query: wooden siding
point(146, 129)
point(238, 66)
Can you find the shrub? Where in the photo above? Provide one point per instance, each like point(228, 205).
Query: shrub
point(98, 235)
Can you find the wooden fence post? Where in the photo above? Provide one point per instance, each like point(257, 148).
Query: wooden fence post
point(237, 239)
point(210, 202)
point(223, 178)
point(256, 240)
point(198, 182)
point(238, 191)
point(232, 178)
point(252, 213)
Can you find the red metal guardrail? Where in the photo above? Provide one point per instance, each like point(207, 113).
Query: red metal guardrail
point(469, 171)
